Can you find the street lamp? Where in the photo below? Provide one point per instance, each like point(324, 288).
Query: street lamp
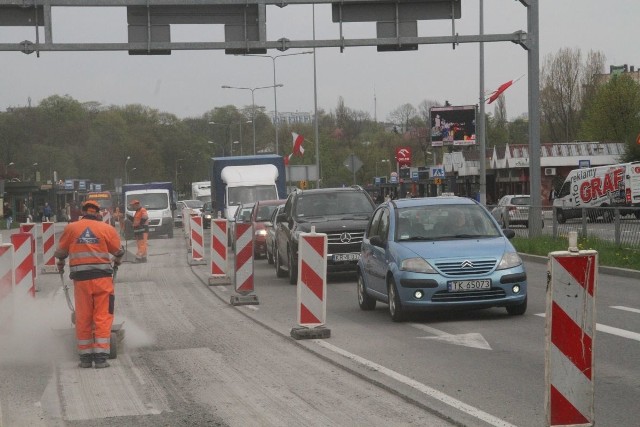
point(126, 176)
point(275, 95)
point(253, 106)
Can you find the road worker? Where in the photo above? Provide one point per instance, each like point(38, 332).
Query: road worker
point(140, 229)
point(89, 243)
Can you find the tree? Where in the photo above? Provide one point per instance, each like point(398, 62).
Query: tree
point(562, 92)
point(614, 115)
point(402, 115)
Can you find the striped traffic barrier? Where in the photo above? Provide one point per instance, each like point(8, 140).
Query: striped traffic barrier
point(571, 327)
point(30, 227)
point(106, 217)
point(7, 284)
point(312, 287)
point(196, 255)
point(48, 247)
point(243, 265)
point(23, 264)
point(218, 265)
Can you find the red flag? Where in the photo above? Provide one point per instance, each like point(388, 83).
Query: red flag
point(496, 93)
point(297, 144)
point(287, 158)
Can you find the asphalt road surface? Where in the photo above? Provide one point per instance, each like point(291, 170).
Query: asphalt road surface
point(189, 357)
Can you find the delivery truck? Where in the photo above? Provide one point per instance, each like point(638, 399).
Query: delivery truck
point(201, 190)
point(600, 187)
point(237, 180)
point(158, 198)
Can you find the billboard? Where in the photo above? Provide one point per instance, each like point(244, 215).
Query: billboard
point(453, 125)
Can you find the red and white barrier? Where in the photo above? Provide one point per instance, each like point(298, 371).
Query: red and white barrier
point(218, 265)
point(106, 217)
point(7, 284)
point(571, 330)
point(48, 247)
point(186, 214)
point(312, 279)
point(197, 241)
point(24, 263)
point(243, 265)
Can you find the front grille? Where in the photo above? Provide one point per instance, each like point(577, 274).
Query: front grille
point(154, 222)
point(489, 294)
point(337, 246)
point(466, 267)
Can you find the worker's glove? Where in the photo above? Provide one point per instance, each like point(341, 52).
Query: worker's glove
point(60, 265)
point(117, 261)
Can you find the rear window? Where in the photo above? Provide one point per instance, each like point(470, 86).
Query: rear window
point(520, 201)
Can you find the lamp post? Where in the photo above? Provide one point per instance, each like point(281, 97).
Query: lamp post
point(253, 106)
point(131, 171)
point(228, 125)
point(275, 94)
point(126, 176)
point(386, 161)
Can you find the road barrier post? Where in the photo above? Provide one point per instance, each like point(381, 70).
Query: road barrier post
point(218, 266)
point(48, 247)
point(312, 287)
point(197, 241)
point(30, 227)
point(243, 265)
point(24, 269)
point(570, 326)
point(7, 285)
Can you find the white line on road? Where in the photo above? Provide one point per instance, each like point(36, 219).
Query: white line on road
point(431, 392)
point(473, 340)
point(611, 330)
point(621, 307)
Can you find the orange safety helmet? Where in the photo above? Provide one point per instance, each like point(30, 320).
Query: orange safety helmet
point(91, 204)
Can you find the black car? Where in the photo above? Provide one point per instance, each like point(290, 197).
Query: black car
point(206, 213)
point(341, 213)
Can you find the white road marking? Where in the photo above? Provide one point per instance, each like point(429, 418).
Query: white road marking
point(252, 307)
point(621, 307)
point(473, 340)
point(431, 392)
point(611, 330)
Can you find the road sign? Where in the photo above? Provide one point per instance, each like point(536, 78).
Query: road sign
point(393, 179)
point(437, 172)
point(437, 181)
point(353, 163)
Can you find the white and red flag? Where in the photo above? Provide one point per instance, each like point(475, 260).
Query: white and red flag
point(287, 158)
point(297, 144)
point(504, 86)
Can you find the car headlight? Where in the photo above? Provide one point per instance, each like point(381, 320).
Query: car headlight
point(418, 265)
point(207, 216)
point(509, 260)
point(261, 233)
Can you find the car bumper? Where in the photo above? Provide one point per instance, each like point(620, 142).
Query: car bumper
point(435, 294)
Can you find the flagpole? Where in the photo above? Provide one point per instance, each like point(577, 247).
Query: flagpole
point(315, 100)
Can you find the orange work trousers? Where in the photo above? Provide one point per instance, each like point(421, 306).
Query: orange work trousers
point(94, 314)
point(141, 243)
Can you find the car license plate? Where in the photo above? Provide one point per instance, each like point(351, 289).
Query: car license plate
point(152, 229)
point(346, 257)
point(468, 285)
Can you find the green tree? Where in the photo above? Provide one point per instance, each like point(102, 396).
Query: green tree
point(614, 115)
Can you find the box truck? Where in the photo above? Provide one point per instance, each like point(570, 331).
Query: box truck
point(245, 179)
point(158, 199)
point(201, 190)
point(602, 186)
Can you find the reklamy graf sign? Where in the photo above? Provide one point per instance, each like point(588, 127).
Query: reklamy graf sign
point(453, 125)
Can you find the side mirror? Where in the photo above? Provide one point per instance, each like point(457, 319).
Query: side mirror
point(377, 241)
point(281, 217)
point(509, 233)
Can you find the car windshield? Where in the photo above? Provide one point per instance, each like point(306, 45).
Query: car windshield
point(265, 212)
point(347, 204)
point(150, 201)
point(520, 201)
point(194, 204)
point(241, 195)
point(206, 206)
point(444, 222)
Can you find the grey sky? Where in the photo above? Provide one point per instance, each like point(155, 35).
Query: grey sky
point(187, 83)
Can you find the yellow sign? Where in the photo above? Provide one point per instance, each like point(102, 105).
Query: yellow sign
point(303, 184)
point(438, 181)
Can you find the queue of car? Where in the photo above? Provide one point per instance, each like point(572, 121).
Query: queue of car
point(414, 254)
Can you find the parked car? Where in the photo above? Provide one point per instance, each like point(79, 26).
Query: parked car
point(177, 214)
point(513, 209)
point(243, 214)
point(194, 206)
point(341, 213)
point(206, 213)
point(439, 253)
point(270, 240)
point(261, 218)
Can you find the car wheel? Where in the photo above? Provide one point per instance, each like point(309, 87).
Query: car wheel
point(270, 256)
point(279, 271)
point(364, 300)
point(517, 310)
point(395, 306)
point(293, 272)
point(560, 217)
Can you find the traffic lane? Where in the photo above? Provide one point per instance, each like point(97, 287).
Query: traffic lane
point(190, 357)
point(519, 341)
point(406, 348)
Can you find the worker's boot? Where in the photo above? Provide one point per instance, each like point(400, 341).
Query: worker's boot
point(101, 360)
point(86, 360)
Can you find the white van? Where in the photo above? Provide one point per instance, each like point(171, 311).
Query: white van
point(601, 186)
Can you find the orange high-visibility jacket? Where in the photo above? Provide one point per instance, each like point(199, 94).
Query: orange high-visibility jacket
point(88, 244)
point(140, 220)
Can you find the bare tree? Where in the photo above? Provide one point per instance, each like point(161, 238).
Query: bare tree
point(402, 115)
point(424, 110)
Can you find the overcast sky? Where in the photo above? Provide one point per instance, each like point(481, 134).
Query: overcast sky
point(188, 83)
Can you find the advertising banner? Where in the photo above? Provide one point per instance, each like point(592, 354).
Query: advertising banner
point(453, 125)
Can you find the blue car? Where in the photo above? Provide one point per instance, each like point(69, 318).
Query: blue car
point(439, 253)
